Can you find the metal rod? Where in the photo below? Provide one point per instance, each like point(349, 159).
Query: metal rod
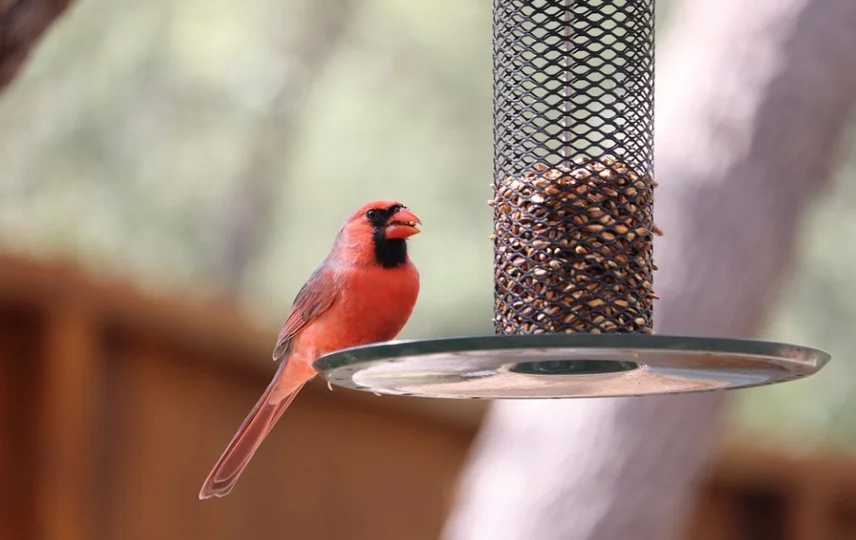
point(567, 53)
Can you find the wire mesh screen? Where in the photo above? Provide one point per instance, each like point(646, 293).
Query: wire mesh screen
point(573, 187)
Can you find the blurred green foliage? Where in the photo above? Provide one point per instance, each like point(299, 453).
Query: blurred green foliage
point(817, 307)
point(128, 137)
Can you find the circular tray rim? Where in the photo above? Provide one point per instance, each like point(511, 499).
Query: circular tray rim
point(338, 367)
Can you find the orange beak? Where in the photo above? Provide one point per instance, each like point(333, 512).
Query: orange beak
point(402, 224)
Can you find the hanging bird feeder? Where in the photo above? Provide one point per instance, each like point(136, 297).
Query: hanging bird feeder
point(573, 234)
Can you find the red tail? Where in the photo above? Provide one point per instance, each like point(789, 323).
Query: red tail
point(250, 435)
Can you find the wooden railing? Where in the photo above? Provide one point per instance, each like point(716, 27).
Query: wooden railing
point(114, 404)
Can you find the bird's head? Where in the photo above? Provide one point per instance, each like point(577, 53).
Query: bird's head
point(378, 232)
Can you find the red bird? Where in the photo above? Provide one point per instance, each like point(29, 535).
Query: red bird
point(362, 293)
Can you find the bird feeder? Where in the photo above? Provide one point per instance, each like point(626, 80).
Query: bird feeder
point(573, 210)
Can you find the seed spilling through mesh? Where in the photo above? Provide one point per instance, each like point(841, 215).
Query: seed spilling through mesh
point(573, 249)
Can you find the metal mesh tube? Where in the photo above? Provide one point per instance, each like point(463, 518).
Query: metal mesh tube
point(573, 165)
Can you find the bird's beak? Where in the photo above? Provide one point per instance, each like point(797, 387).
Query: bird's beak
point(402, 224)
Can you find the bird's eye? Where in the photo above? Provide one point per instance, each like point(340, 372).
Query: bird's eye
point(372, 215)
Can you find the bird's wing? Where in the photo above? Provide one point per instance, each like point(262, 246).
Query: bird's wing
point(316, 296)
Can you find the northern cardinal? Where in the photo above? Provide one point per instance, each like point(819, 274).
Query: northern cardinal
point(363, 292)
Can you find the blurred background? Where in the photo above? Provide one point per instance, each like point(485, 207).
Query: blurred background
point(171, 174)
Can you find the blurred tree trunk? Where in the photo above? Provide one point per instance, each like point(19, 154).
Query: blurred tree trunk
point(753, 100)
point(22, 23)
point(240, 226)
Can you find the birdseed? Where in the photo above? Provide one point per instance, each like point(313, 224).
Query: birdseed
point(573, 249)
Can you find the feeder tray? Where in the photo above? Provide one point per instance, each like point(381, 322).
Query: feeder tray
point(573, 212)
point(566, 366)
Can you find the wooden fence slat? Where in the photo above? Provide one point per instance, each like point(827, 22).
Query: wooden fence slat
point(69, 423)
